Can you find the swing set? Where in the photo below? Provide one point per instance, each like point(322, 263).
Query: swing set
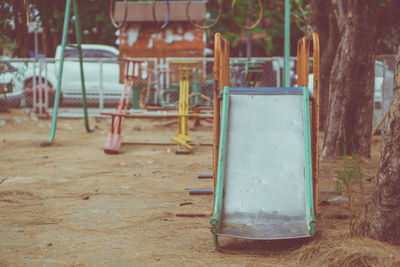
point(132, 66)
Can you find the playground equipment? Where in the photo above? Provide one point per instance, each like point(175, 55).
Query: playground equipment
point(246, 74)
point(197, 99)
point(205, 176)
point(165, 24)
point(38, 92)
point(60, 68)
point(111, 8)
point(303, 60)
point(204, 27)
point(192, 214)
point(252, 26)
point(194, 93)
point(266, 188)
point(200, 192)
point(182, 139)
point(114, 140)
point(149, 97)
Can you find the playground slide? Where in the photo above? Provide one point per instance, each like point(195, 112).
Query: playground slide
point(264, 183)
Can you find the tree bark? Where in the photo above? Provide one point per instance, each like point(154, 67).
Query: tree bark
point(50, 41)
point(21, 30)
point(52, 20)
point(388, 27)
point(323, 21)
point(383, 209)
point(352, 79)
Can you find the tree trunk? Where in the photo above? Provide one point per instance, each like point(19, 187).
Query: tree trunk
point(388, 27)
point(50, 41)
point(46, 42)
point(383, 209)
point(352, 79)
point(21, 30)
point(323, 21)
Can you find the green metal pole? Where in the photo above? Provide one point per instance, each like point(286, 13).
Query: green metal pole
point(286, 45)
point(59, 75)
point(79, 42)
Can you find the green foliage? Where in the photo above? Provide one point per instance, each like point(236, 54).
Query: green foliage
point(94, 20)
point(383, 3)
point(350, 178)
point(267, 37)
point(7, 44)
point(388, 26)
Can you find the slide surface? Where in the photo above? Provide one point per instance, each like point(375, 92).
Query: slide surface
point(264, 183)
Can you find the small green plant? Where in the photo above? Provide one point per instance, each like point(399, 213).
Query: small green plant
point(348, 179)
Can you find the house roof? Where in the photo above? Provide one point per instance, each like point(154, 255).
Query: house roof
point(143, 11)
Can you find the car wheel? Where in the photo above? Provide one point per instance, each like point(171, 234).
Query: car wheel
point(28, 92)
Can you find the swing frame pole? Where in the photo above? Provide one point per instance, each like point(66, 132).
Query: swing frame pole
point(60, 70)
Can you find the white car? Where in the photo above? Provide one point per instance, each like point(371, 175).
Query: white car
point(23, 74)
point(71, 81)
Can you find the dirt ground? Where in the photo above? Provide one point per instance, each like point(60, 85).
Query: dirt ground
point(70, 204)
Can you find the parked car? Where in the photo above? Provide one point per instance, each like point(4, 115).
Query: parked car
point(110, 73)
point(23, 75)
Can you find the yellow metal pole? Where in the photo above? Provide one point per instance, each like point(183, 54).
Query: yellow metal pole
point(182, 138)
point(181, 84)
point(186, 101)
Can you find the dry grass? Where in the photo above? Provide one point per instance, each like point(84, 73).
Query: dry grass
point(347, 252)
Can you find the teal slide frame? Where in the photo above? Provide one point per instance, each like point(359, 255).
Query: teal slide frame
point(308, 163)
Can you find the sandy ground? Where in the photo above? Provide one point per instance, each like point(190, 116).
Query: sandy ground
point(70, 204)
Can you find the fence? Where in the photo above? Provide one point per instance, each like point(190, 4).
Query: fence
point(158, 83)
point(101, 75)
point(265, 72)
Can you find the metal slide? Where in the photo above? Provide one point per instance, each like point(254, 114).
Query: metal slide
point(264, 187)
